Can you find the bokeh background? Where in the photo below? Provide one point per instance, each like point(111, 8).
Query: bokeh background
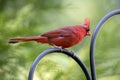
point(34, 17)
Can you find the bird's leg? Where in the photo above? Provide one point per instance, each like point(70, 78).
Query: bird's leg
point(58, 47)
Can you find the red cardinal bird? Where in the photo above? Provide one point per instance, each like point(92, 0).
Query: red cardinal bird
point(63, 37)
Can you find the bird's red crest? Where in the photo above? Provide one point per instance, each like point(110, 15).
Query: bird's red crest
point(87, 22)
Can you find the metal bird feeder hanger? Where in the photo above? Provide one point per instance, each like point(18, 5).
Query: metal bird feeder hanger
point(73, 56)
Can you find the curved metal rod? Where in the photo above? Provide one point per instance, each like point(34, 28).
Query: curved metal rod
point(93, 40)
point(69, 53)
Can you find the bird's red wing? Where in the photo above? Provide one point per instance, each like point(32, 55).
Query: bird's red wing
point(63, 37)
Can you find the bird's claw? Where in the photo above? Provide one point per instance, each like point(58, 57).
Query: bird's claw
point(58, 47)
point(61, 49)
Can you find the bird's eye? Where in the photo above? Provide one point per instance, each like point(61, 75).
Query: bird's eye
point(87, 30)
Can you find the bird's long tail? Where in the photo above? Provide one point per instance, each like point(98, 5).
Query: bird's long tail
point(40, 39)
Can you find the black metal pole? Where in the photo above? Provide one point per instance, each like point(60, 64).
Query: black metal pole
point(93, 40)
point(69, 53)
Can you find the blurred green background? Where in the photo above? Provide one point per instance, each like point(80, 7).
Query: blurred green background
point(19, 18)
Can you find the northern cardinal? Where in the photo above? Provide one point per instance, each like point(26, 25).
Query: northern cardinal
point(64, 37)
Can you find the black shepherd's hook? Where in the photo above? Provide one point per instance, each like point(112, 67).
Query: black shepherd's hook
point(93, 40)
point(69, 53)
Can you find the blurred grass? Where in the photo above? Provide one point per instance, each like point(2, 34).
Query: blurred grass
point(34, 17)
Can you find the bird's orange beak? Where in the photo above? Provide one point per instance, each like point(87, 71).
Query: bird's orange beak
point(88, 33)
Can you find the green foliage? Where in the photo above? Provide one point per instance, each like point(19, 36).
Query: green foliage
point(20, 18)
